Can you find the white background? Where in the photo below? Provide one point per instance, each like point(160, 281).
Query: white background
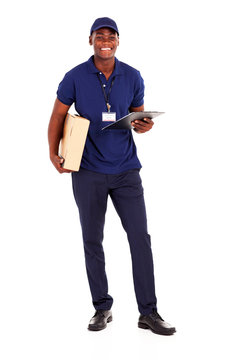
point(188, 55)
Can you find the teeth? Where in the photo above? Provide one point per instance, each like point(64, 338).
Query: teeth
point(105, 49)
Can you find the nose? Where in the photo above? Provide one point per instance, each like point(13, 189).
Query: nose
point(105, 40)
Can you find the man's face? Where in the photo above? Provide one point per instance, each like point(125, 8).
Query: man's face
point(105, 42)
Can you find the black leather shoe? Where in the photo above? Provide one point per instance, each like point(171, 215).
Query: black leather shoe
point(156, 324)
point(100, 319)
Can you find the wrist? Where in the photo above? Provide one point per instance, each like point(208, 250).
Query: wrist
point(52, 154)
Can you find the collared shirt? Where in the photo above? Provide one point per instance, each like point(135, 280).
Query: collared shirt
point(106, 151)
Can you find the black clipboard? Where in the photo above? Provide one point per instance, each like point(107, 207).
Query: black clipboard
point(125, 122)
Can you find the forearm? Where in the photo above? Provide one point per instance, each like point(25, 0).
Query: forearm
point(55, 128)
point(55, 131)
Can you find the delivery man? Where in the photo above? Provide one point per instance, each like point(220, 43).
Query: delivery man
point(103, 89)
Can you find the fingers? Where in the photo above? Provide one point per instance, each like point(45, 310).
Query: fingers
point(57, 162)
point(141, 126)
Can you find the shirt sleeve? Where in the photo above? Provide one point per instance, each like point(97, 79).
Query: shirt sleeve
point(138, 99)
point(66, 90)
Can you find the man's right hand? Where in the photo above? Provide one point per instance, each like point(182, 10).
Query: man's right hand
point(57, 162)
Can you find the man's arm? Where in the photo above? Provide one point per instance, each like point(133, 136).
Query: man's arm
point(55, 131)
point(139, 125)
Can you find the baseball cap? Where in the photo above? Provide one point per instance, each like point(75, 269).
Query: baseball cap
point(104, 22)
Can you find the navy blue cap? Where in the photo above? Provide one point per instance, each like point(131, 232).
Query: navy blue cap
point(102, 23)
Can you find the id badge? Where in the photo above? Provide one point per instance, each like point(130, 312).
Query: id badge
point(108, 116)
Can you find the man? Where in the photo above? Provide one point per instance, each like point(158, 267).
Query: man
point(103, 90)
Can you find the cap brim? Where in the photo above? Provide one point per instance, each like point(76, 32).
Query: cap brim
point(105, 26)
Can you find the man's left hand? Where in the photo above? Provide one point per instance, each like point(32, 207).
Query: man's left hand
point(142, 126)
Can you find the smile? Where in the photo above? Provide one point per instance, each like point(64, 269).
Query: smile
point(105, 49)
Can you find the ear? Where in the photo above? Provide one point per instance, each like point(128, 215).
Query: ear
point(90, 40)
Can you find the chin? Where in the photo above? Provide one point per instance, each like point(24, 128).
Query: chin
point(105, 56)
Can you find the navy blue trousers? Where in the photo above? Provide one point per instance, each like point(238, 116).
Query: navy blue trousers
point(91, 190)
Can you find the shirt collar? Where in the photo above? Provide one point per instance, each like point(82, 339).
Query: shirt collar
point(93, 70)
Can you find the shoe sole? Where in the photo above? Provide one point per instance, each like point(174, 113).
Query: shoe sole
point(145, 326)
point(93, 328)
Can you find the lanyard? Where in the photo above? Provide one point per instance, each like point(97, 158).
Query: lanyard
point(106, 96)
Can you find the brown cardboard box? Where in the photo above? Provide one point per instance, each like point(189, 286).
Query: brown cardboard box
point(73, 141)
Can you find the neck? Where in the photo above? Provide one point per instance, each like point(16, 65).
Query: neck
point(105, 66)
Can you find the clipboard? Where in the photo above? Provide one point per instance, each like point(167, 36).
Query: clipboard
point(125, 122)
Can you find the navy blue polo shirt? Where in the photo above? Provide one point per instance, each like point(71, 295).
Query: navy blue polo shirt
point(106, 151)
